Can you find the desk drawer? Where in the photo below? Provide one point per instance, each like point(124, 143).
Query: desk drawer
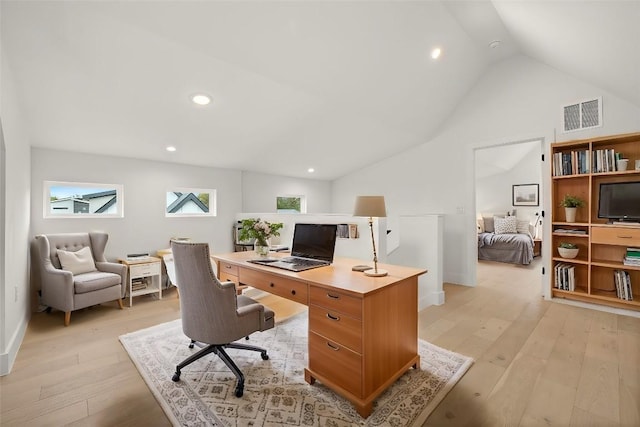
point(226, 268)
point(143, 270)
point(224, 277)
point(336, 301)
point(622, 236)
point(338, 363)
point(281, 286)
point(336, 326)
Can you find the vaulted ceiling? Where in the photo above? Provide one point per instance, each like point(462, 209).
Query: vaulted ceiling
point(330, 85)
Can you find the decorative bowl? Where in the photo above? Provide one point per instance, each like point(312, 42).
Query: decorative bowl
point(568, 253)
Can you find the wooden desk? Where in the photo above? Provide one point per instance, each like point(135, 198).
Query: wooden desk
point(363, 331)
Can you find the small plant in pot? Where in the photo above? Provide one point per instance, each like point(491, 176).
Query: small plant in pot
point(571, 204)
point(568, 250)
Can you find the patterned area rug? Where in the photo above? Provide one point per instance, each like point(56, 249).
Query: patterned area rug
point(275, 392)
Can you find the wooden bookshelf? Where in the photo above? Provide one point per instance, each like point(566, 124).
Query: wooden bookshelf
point(602, 245)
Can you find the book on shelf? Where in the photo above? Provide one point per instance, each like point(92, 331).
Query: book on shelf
point(604, 160)
point(565, 277)
point(633, 252)
point(631, 261)
point(575, 162)
point(622, 281)
point(569, 231)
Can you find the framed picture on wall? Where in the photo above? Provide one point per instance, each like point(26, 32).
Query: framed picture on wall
point(525, 195)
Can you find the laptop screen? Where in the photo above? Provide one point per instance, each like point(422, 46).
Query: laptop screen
point(317, 241)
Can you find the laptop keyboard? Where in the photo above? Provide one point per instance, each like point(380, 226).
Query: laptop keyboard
point(303, 261)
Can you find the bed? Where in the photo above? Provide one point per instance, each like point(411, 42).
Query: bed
point(505, 244)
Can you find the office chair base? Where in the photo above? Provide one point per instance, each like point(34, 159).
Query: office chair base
point(219, 350)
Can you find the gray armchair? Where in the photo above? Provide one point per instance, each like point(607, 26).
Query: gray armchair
point(62, 289)
point(212, 313)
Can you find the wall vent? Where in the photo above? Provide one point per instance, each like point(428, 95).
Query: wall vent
point(582, 115)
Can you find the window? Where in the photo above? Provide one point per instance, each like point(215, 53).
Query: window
point(82, 200)
point(190, 202)
point(291, 204)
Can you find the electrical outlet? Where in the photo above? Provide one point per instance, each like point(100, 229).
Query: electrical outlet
point(460, 210)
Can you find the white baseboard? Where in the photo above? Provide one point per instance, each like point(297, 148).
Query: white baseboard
point(433, 298)
point(9, 357)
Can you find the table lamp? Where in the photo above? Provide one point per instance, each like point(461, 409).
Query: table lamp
point(370, 206)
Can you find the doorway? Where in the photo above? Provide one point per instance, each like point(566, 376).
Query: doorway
point(509, 182)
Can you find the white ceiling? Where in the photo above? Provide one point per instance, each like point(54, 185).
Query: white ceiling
point(331, 85)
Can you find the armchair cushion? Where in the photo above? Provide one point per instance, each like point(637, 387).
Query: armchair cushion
point(78, 262)
point(94, 281)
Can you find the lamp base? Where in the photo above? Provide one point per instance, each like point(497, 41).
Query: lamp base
point(372, 272)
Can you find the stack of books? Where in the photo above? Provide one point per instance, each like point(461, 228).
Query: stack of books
point(138, 284)
point(623, 285)
point(632, 257)
point(565, 277)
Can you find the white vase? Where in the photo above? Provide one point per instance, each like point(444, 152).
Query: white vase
point(570, 214)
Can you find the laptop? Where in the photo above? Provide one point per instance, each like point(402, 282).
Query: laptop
point(313, 246)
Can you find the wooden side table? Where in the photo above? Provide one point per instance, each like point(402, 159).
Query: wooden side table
point(143, 277)
point(537, 247)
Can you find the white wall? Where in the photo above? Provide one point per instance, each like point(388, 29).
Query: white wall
point(494, 192)
point(259, 192)
point(14, 202)
point(144, 228)
point(515, 100)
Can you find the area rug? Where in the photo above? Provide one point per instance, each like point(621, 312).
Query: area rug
point(275, 392)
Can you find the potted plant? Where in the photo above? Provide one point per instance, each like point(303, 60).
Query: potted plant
point(568, 250)
point(571, 205)
point(260, 232)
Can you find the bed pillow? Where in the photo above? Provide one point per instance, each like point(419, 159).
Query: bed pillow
point(480, 225)
point(488, 224)
point(505, 225)
point(522, 226)
point(77, 262)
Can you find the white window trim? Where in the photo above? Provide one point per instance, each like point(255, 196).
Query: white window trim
point(213, 203)
point(46, 194)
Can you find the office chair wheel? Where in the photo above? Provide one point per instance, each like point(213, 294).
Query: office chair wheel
point(239, 391)
point(264, 355)
point(192, 343)
point(176, 377)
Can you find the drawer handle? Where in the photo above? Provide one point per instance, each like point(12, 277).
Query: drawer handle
point(332, 347)
point(227, 266)
point(293, 292)
point(624, 237)
point(333, 296)
point(271, 284)
point(330, 317)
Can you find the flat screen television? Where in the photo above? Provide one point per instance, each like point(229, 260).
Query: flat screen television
point(619, 201)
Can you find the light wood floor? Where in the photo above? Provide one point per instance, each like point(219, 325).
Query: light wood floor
point(537, 363)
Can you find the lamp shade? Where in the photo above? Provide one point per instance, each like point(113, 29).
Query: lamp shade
point(370, 206)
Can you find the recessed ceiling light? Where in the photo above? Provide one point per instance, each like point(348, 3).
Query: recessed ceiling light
point(435, 53)
point(311, 170)
point(201, 99)
point(171, 148)
point(494, 44)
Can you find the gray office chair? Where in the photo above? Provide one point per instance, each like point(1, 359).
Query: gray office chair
point(212, 313)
